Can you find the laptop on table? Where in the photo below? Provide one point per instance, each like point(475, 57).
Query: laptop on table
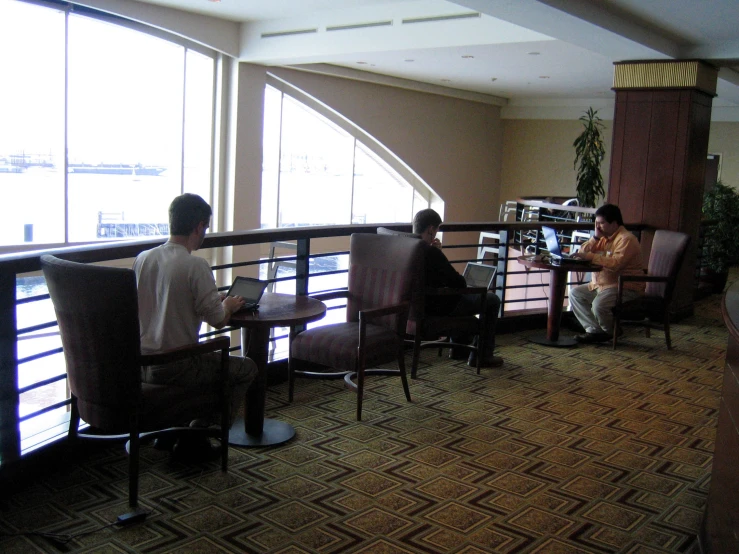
point(555, 249)
point(250, 289)
point(480, 275)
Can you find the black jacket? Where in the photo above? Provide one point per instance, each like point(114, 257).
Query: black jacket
point(440, 273)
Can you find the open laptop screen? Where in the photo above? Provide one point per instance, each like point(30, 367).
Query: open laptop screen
point(250, 289)
point(479, 275)
point(550, 236)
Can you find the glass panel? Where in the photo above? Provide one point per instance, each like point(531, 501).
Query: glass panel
point(124, 129)
point(198, 124)
point(419, 202)
point(315, 169)
point(31, 124)
point(271, 156)
point(380, 194)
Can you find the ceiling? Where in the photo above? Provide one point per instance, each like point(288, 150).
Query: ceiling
point(511, 50)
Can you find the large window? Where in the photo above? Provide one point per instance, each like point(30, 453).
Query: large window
point(133, 112)
point(320, 169)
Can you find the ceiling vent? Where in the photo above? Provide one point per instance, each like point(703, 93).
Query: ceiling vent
point(289, 33)
point(359, 26)
point(441, 18)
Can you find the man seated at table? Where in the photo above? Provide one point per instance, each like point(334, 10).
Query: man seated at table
point(619, 253)
point(440, 273)
point(177, 292)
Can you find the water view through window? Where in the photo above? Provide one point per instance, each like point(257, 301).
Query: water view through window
point(138, 128)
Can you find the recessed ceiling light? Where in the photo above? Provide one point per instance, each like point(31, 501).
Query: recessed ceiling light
point(446, 80)
point(534, 53)
point(543, 76)
point(493, 79)
point(214, 1)
point(410, 60)
point(362, 63)
point(468, 57)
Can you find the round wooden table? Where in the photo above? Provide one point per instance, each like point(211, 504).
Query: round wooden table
point(275, 310)
point(558, 270)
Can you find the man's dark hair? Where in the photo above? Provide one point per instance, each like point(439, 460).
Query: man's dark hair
point(186, 212)
point(424, 218)
point(611, 213)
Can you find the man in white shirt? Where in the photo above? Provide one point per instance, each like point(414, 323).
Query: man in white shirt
point(177, 292)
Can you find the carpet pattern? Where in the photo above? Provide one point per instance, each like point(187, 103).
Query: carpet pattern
point(560, 451)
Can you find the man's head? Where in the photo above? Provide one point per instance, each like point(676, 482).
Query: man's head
point(607, 220)
point(426, 224)
point(189, 214)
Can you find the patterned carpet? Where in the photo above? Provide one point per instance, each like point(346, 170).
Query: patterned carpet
point(562, 450)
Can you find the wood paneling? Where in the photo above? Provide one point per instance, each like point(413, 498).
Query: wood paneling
point(660, 146)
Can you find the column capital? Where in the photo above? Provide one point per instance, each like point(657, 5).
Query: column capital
point(665, 74)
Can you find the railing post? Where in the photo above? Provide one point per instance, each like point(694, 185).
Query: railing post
point(502, 275)
point(302, 267)
point(9, 432)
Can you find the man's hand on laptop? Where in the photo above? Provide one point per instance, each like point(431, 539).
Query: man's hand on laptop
point(583, 255)
point(233, 304)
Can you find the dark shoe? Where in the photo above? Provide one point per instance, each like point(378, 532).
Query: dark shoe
point(458, 353)
point(195, 449)
point(165, 443)
point(495, 361)
point(593, 338)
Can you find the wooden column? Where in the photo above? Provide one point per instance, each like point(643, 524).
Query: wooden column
point(660, 144)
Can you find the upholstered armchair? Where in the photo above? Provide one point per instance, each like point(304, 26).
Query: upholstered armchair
point(425, 331)
point(383, 278)
point(97, 312)
point(653, 309)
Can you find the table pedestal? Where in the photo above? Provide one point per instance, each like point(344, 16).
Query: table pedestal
point(255, 429)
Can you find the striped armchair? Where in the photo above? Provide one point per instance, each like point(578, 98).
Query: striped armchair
point(383, 275)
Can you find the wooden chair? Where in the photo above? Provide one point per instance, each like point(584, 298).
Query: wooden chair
point(383, 273)
point(432, 331)
point(97, 312)
point(653, 309)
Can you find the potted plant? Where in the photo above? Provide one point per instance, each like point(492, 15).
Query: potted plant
point(721, 234)
point(589, 154)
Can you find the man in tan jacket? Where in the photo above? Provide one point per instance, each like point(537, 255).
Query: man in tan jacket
point(619, 252)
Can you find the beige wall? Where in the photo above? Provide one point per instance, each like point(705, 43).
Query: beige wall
point(453, 144)
point(538, 157)
point(724, 140)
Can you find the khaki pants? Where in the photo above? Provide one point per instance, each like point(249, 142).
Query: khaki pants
point(594, 310)
point(200, 373)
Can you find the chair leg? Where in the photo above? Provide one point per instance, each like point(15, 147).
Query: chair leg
point(416, 354)
point(360, 391)
point(133, 464)
point(290, 366)
point(616, 326)
point(668, 340)
point(480, 349)
point(225, 409)
point(403, 376)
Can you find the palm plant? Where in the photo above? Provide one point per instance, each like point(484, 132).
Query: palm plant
point(720, 246)
point(589, 153)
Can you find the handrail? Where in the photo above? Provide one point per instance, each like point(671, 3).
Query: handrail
point(15, 264)
point(552, 206)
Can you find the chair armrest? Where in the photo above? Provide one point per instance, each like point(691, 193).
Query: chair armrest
point(447, 291)
point(643, 278)
point(384, 310)
point(330, 295)
point(212, 345)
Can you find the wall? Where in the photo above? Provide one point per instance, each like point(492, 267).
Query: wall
point(724, 140)
point(538, 157)
point(453, 144)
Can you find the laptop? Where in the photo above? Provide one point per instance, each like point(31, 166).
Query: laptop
point(555, 250)
point(250, 289)
point(480, 275)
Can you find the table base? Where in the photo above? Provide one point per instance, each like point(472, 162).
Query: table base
point(561, 342)
point(274, 432)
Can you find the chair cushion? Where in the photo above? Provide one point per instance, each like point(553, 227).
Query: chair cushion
point(651, 307)
point(162, 406)
point(437, 326)
point(336, 346)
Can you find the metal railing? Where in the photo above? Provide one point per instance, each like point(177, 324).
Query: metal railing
point(16, 441)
